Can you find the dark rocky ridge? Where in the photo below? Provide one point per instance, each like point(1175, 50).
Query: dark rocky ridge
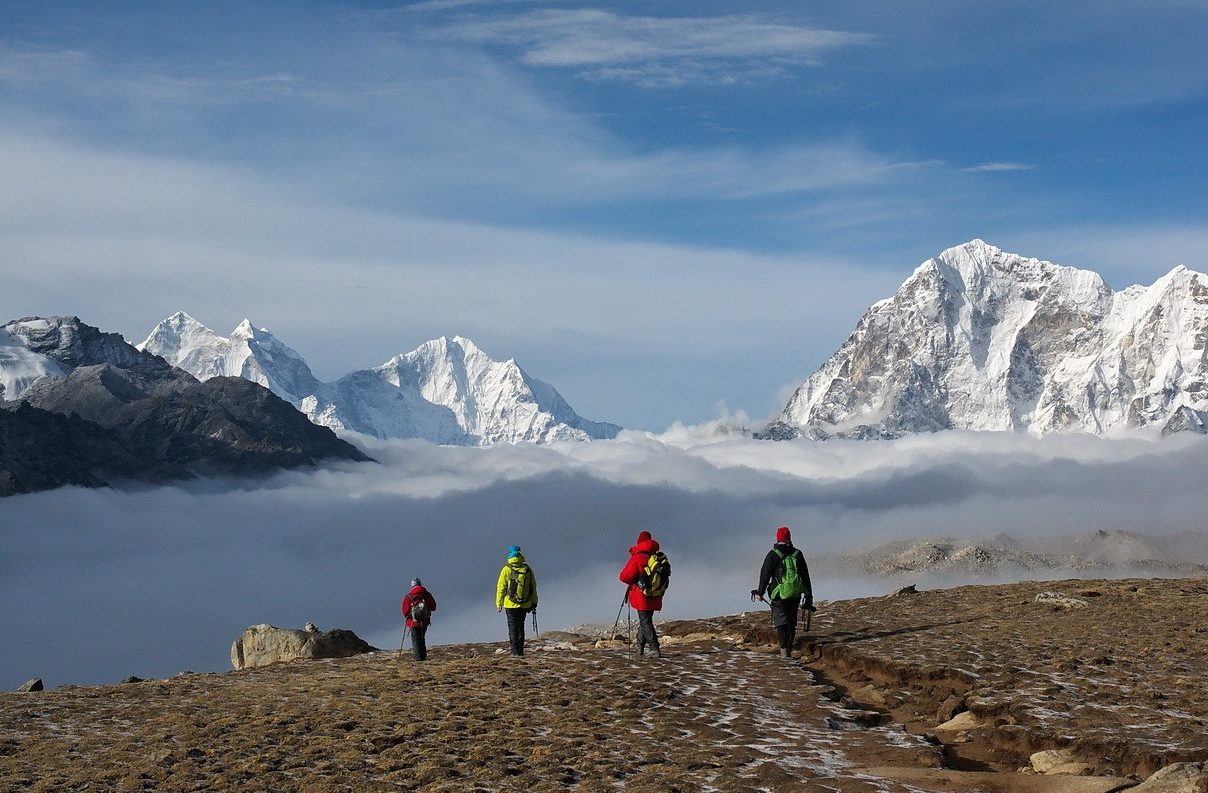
point(123, 414)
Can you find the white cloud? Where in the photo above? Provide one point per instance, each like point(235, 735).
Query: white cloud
point(30, 67)
point(102, 584)
point(656, 51)
point(998, 167)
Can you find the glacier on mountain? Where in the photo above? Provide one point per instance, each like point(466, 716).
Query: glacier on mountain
point(981, 339)
point(447, 391)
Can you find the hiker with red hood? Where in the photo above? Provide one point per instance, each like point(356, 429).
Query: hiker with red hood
point(418, 606)
point(786, 579)
point(647, 574)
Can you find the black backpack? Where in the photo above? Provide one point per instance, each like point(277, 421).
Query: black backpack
point(520, 586)
point(419, 610)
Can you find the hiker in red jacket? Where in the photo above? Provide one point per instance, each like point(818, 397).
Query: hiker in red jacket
point(418, 606)
point(645, 594)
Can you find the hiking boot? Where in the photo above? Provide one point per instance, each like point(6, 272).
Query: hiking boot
point(786, 652)
point(641, 649)
point(658, 652)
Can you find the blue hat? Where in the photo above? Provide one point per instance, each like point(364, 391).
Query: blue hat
point(513, 550)
point(416, 582)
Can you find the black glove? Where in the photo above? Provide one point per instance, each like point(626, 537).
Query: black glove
point(754, 595)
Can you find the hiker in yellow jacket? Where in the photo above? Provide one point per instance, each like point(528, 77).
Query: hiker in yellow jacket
point(517, 593)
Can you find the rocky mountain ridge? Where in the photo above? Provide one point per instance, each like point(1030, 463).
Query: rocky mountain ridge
point(1100, 552)
point(981, 339)
point(101, 411)
point(447, 391)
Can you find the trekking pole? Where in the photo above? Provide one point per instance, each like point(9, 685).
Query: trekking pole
point(537, 632)
point(624, 600)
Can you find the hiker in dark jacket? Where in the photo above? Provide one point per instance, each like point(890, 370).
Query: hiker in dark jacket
point(418, 606)
point(516, 593)
point(645, 605)
point(783, 596)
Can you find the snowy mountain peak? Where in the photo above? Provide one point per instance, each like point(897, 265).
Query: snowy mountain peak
point(254, 355)
point(979, 338)
point(245, 330)
point(447, 390)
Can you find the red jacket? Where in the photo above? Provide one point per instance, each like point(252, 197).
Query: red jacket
point(633, 569)
point(418, 592)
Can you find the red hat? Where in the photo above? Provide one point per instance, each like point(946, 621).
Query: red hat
point(782, 534)
point(643, 537)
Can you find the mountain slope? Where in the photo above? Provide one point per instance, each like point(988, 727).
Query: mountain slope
point(980, 339)
point(447, 391)
point(103, 410)
point(251, 353)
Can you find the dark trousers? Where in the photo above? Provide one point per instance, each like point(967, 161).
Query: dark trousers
point(516, 629)
point(784, 618)
point(419, 645)
point(646, 632)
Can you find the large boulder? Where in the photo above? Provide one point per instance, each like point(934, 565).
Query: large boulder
point(1177, 778)
point(261, 645)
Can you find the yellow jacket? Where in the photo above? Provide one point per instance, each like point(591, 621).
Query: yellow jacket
point(501, 588)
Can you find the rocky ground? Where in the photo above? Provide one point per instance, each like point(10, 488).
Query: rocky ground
point(948, 690)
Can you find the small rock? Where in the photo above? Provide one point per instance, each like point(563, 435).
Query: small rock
point(1050, 758)
point(1176, 778)
point(30, 685)
point(1060, 601)
point(906, 591)
point(961, 721)
point(132, 679)
point(950, 707)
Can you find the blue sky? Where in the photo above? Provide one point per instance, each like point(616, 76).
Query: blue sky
point(659, 208)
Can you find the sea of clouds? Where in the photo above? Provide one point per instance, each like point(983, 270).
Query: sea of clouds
point(100, 584)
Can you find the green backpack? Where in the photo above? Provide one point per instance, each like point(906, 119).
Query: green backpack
point(790, 584)
point(519, 588)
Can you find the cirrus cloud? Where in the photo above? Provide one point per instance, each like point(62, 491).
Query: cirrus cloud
point(656, 51)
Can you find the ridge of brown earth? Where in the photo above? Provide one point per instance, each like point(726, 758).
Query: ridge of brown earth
point(1112, 671)
point(720, 712)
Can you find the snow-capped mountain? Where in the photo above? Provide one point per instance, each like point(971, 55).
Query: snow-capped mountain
point(34, 347)
point(447, 391)
point(977, 338)
point(251, 353)
point(83, 407)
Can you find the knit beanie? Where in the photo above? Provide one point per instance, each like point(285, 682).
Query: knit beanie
point(513, 551)
point(783, 535)
point(643, 537)
point(416, 582)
